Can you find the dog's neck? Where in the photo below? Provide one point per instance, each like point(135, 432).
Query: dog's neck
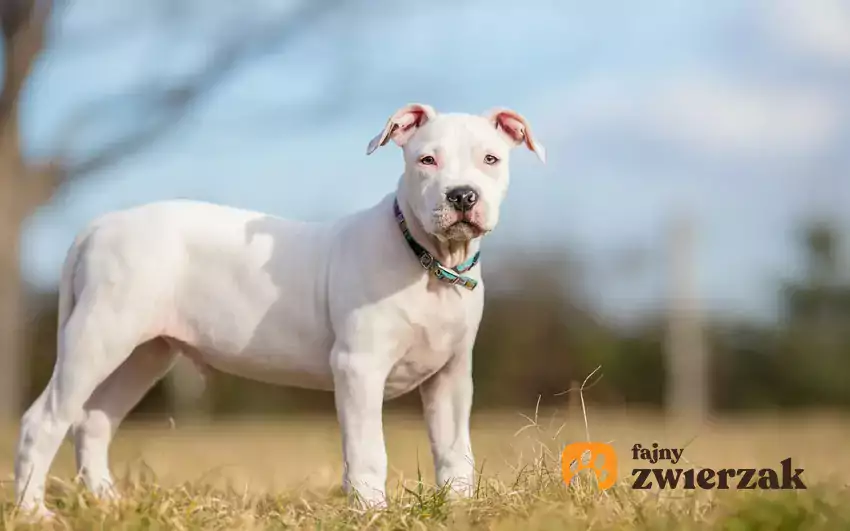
point(450, 253)
point(454, 253)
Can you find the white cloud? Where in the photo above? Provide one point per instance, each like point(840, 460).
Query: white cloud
point(727, 117)
point(816, 27)
point(702, 112)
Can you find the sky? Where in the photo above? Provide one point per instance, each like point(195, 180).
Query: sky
point(735, 114)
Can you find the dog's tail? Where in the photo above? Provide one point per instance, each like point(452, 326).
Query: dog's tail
point(67, 294)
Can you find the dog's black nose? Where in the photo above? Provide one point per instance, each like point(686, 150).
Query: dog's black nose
point(462, 198)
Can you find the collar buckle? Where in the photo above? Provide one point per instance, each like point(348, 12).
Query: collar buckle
point(429, 263)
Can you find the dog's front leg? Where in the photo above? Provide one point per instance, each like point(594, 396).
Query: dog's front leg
point(447, 402)
point(359, 379)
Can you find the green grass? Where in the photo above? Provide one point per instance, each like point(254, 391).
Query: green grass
point(286, 476)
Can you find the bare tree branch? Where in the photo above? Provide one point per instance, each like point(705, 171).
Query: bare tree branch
point(22, 23)
point(170, 102)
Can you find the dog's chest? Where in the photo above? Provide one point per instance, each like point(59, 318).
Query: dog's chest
point(436, 332)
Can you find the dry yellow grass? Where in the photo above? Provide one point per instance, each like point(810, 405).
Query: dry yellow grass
point(286, 474)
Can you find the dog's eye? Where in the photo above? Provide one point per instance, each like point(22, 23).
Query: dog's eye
point(427, 160)
point(490, 159)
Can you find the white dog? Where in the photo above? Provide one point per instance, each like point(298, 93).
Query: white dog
point(369, 306)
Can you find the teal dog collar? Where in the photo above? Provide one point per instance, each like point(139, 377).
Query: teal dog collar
point(431, 264)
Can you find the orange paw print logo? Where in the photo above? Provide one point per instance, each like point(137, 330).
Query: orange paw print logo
point(602, 460)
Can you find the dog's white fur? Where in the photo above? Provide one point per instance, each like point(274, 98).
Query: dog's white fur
point(342, 306)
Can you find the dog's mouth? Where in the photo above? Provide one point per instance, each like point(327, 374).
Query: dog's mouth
point(464, 229)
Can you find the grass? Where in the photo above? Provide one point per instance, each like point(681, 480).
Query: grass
point(286, 474)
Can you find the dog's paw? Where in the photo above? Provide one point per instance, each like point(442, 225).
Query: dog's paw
point(459, 492)
point(35, 514)
point(458, 484)
point(365, 500)
point(371, 503)
point(106, 492)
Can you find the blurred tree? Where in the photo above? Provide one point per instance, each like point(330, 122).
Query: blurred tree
point(746, 370)
point(28, 31)
point(821, 247)
point(539, 335)
point(816, 349)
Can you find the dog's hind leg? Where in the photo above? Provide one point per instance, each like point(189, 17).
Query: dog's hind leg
point(97, 338)
point(109, 404)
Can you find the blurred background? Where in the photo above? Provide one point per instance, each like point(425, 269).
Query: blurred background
point(689, 233)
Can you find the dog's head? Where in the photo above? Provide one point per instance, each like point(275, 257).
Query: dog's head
point(456, 166)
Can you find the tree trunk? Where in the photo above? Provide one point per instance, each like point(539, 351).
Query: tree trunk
point(687, 390)
point(22, 24)
point(12, 377)
point(12, 323)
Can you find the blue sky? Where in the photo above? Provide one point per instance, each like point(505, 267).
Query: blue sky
point(736, 113)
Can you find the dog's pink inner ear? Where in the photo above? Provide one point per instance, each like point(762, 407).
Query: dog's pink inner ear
point(515, 127)
point(401, 125)
point(405, 124)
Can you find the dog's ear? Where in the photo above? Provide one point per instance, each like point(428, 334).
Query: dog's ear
point(516, 129)
point(401, 125)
